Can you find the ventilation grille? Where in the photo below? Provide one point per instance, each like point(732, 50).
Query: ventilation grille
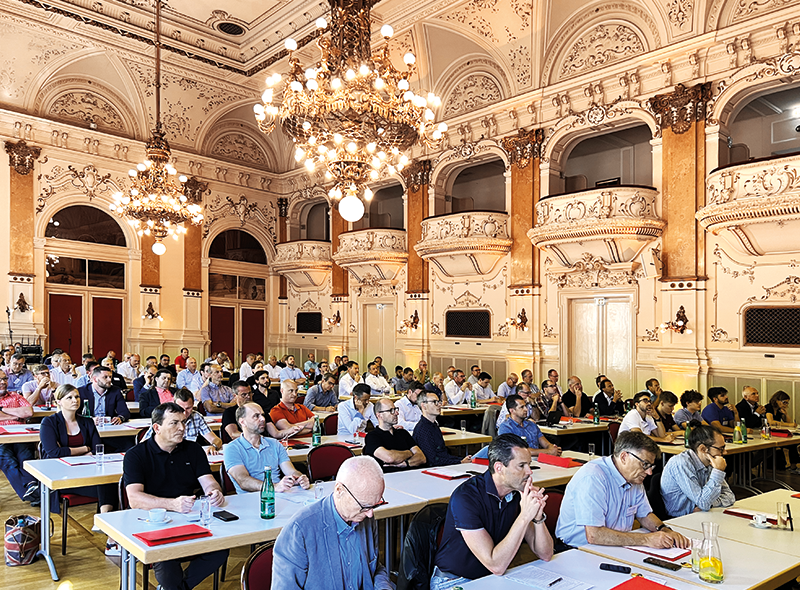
point(309, 322)
point(230, 29)
point(468, 324)
point(772, 326)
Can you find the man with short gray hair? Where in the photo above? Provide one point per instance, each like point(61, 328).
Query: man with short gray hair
point(393, 447)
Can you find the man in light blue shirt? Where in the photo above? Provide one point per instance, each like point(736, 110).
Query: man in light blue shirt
point(354, 412)
point(310, 365)
point(519, 424)
point(291, 372)
point(606, 496)
point(322, 396)
point(190, 377)
point(18, 375)
point(248, 455)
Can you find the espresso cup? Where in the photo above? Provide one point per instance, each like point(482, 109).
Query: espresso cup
point(760, 519)
point(157, 515)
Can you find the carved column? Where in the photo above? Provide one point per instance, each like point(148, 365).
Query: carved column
point(339, 276)
point(193, 239)
point(681, 115)
point(283, 230)
point(21, 159)
point(418, 178)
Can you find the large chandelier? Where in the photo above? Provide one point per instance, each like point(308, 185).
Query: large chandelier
point(156, 204)
point(353, 113)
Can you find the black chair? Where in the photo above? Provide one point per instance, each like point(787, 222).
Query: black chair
point(419, 547)
point(653, 491)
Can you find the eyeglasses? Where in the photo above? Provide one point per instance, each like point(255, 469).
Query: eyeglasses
point(720, 449)
point(364, 508)
point(435, 402)
point(646, 465)
point(392, 410)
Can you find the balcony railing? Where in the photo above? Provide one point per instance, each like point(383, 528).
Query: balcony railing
point(304, 263)
point(374, 253)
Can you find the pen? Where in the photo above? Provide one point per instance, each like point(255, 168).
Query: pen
point(554, 582)
point(789, 512)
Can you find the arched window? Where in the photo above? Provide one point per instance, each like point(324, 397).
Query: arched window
point(238, 245)
point(765, 127)
point(81, 223)
point(317, 223)
point(480, 188)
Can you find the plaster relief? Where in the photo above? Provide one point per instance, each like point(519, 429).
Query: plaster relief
point(84, 108)
point(472, 93)
point(239, 148)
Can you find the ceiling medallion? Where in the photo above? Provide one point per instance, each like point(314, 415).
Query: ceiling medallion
point(156, 204)
point(353, 112)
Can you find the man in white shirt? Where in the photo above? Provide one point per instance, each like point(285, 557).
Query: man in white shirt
point(457, 389)
point(349, 379)
point(375, 380)
point(473, 378)
point(642, 419)
point(509, 386)
point(190, 377)
point(449, 377)
point(483, 389)
point(354, 412)
point(246, 370)
point(86, 359)
point(130, 369)
point(273, 369)
point(409, 411)
point(64, 372)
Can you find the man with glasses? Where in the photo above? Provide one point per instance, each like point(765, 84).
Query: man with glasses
point(322, 396)
point(749, 408)
point(606, 495)
point(18, 374)
point(508, 387)
point(195, 425)
point(695, 479)
point(549, 404)
point(428, 435)
point(475, 371)
point(333, 543)
point(39, 391)
point(456, 390)
point(421, 375)
point(519, 424)
point(642, 419)
point(392, 447)
point(355, 412)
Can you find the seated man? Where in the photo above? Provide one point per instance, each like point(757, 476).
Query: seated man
point(458, 389)
point(375, 380)
point(508, 387)
point(164, 362)
point(349, 379)
point(195, 424)
point(291, 372)
point(750, 409)
point(15, 409)
point(409, 412)
point(527, 430)
point(642, 419)
point(104, 399)
point(549, 404)
point(264, 394)
point(428, 435)
point(393, 447)
point(421, 375)
point(577, 402)
point(248, 455)
point(18, 374)
point(695, 479)
point(720, 413)
point(436, 384)
point(246, 370)
point(475, 370)
point(160, 393)
point(524, 391)
point(322, 396)
point(489, 515)
point(181, 360)
point(164, 472)
point(691, 401)
point(483, 390)
point(146, 380)
point(288, 413)
point(606, 495)
point(338, 530)
point(214, 395)
point(190, 377)
point(404, 380)
point(129, 369)
point(356, 411)
point(244, 396)
point(609, 400)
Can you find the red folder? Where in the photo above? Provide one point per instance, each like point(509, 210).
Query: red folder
point(172, 535)
point(795, 495)
point(733, 512)
point(478, 461)
point(4, 431)
point(447, 477)
point(639, 583)
point(781, 433)
point(565, 419)
point(557, 461)
point(444, 433)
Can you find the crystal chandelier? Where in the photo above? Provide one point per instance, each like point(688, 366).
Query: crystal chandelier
point(353, 113)
point(156, 204)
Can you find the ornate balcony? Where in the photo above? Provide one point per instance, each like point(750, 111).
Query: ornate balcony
point(755, 206)
point(610, 223)
point(305, 263)
point(465, 244)
point(372, 254)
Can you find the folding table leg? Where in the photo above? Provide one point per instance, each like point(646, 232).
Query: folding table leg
point(44, 548)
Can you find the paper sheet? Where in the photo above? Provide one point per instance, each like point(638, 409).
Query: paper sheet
point(536, 577)
point(91, 459)
point(670, 554)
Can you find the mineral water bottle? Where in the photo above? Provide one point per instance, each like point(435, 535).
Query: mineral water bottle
point(737, 434)
point(85, 412)
point(473, 402)
point(743, 428)
point(766, 433)
point(595, 415)
point(686, 434)
point(316, 433)
point(267, 496)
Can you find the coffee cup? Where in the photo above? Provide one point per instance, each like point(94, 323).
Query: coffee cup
point(157, 515)
point(758, 519)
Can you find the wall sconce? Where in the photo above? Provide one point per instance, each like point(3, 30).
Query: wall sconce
point(679, 325)
point(520, 322)
point(22, 305)
point(151, 314)
point(335, 320)
point(410, 324)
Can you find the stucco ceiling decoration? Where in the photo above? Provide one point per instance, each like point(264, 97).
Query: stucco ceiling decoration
point(599, 47)
point(238, 147)
point(727, 12)
point(474, 92)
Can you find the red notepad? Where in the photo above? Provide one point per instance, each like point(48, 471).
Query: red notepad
point(557, 461)
point(781, 433)
point(479, 461)
point(747, 515)
point(795, 495)
point(446, 433)
point(564, 419)
point(4, 431)
point(172, 535)
point(445, 475)
point(639, 583)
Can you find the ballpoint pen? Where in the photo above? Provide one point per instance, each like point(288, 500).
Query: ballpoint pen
point(789, 513)
point(554, 582)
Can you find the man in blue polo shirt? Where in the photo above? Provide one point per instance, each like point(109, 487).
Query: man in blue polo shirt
point(291, 372)
point(519, 424)
point(606, 496)
point(720, 413)
point(488, 517)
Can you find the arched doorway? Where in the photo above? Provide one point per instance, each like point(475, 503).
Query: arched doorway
point(237, 285)
point(85, 282)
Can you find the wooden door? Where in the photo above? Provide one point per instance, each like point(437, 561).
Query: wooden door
point(66, 324)
point(252, 331)
point(106, 326)
point(223, 325)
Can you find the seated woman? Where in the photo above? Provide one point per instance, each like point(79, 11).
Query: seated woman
point(66, 434)
point(665, 404)
point(778, 417)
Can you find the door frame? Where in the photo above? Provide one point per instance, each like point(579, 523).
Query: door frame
point(87, 325)
point(362, 336)
point(238, 306)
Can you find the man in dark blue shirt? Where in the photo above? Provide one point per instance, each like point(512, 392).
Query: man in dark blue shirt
point(720, 413)
point(428, 435)
point(489, 515)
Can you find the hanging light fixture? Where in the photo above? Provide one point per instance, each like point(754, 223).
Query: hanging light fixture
point(353, 112)
point(156, 203)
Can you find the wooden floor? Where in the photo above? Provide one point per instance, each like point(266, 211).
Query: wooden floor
point(85, 567)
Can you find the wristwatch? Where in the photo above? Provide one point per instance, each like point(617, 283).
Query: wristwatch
point(544, 517)
point(661, 527)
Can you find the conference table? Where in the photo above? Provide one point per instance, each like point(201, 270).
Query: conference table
point(40, 411)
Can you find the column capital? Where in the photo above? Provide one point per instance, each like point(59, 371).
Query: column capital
point(21, 156)
point(523, 147)
point(417, 174)
point(283, 207)
point(682, 107)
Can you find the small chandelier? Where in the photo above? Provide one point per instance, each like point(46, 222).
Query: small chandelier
point(520, 322)
point(410, 324)
point(680, 325)
point(353, 112)
point(156, 204)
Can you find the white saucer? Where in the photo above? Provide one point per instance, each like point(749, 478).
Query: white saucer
point(167, 520)
point(766, 525)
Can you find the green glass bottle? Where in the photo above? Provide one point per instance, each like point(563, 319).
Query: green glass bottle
point(473, 399)
point(686, 434)
point(267, 496)
point(743, 427)
point(85, 412)
point(595, 415)
point(316, 433)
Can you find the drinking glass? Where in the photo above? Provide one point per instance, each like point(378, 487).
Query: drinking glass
point(205, 510)
point(463, 427)
point(319, 489)
point(783, 515)
point(591, 451)
point(99, 451)
point(697, 544)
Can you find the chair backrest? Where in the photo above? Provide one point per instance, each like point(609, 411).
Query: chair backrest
point(227, 483)
point(613, 431)
point(653, 490)
point(140, 435)
point(257, 570)
point(324, 461)
point(331, 425)
point(122, 494)
point(223, 434)
point(419, 547)
point(300, 399)
point(129, 397)
point(201, 409)
point(552, 510)
point(489, 427)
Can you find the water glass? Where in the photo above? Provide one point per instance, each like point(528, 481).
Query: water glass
point(319, 490)
point(463, 427)
point(205, 511)
point(99, 451)
point(696, 545)
point(591, 451)
point(783, 515)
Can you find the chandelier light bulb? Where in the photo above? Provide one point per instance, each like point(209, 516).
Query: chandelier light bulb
point(290, 44)
point(296, 86)
point(379, 84)
point(336, 83)
point(310, 74)
point(350, 74)
point(351, 208)
point(368, 194)
point(363, 70)
point(159, 248)
point(409, 58)
point(182, 178)
point(322, 23)
point(312, 85)
point(403, 84)
point(387, 31)
point(141, 167)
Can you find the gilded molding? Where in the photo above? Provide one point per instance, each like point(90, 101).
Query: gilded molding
point(244, 211)
point(417, 174)
point(523, 147)
point(89, 181)
point(682, 107)
point(306, 264)
point(592, 272)
point(22, 157)
point(377, 254)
